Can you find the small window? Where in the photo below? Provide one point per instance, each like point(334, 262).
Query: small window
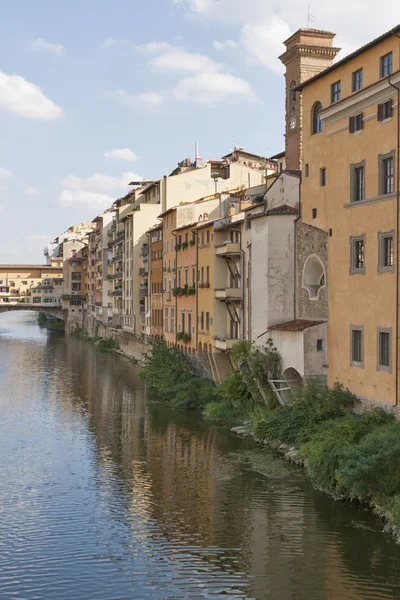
point(386, 173)
point(357, 80)
point(357, 182)
point(385, 110)
point(207, 321)
point(330, 233)
point(357, 255)
point(319, 345)
point(386, 252)
point(335, 92)
point(316, 118)
point(357, 346)
point(322, 177)
point(314, 213)
point(166, 319)
point(356, 123)
point(306, 170)
point(208, 237)
point(386, 66)
point(384, 349)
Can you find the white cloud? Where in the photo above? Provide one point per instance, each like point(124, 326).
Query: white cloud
point(97, 200)
point(25, 99)
point(97, 191)
point(1, 207)
point(99, 182)
point(32, 191)
point(176, 58)
point(263, 42)
point(5, 173)
point(121, 154)
point(148, 99)
point(109, 42)
point(258, 18)
point(228, 45)
point(40, 45)
point(210, 89)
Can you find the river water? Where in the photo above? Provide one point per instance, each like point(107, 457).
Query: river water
point(106, 496)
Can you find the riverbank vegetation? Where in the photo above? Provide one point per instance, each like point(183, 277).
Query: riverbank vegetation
point(52, 324)
point(348, 455)
point(103, 343)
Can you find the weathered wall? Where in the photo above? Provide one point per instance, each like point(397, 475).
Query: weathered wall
point(309, 241)
point(315, 361)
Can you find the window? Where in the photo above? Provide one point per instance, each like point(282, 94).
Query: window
point(387, 175)
point(166, 319)
point(316, 119)
point(179, 277)
point(335, 92)
point(357, 255)
point(207, 321)
point(189, 324)
point(386, 252)
point(193, 275)
point(319, 345)
point(322, 177)
point(386, 65)
point(306, 170)
point(202, 321)
point(356, 123)
point(172, 320)
point(183, 321)
point(186, 276)
point(357, 346)
point(208, 237)
point(384, 340)
point(385, 110)
point(357, 80)
point(24, 283)
point(314, 213)
point(187, 238)
point(357, 182)
point(202, 275)
point(208, 275)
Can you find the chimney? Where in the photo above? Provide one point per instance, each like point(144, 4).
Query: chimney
point(308, 52)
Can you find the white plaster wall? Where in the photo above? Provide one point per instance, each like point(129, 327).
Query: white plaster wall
point(290, 347)
point(285, 190)
point(272, 280)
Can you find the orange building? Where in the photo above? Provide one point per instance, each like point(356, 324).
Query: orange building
point(156, 280)
point(185, 290)
point(169, 273)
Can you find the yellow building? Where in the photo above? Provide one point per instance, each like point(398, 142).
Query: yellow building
point(205, 286)
point(350, 191)
point(30, 284)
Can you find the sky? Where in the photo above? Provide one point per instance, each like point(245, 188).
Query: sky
point(96, 93)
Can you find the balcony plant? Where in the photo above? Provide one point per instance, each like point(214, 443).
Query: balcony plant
point(177, 291)
point(179, 336)
point(191, 242)
point(186, 337)
point(185, 290)
point(178, 247)
point(184, 245)
point(191, 290)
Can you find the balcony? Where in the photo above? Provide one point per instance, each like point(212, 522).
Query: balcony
point(228, 249)
point(142, 319)
point(225, 344)
point(117, 275)
point(117, 258)
point(117, 293)
point(143, 271)
point(145, 251)
point(143, 291)
point(119, 239)
point(229, 294)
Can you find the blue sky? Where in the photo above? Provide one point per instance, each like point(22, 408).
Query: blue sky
point(93, 93)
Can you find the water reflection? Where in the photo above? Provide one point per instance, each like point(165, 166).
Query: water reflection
point(105, 496)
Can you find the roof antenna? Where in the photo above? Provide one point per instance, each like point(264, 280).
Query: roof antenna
point(310, 17)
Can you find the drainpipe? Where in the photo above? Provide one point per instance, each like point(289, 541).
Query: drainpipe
point(243, 289)
point(397, 237)
point(196, 288)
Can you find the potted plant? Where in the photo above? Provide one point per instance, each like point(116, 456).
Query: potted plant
point(178, 247)
point(192, 242)
point(184, 245)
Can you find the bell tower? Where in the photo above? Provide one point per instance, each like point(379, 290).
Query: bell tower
point(308, 52)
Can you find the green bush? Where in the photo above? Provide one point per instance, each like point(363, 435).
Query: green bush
point(108, 344)
point(373, 467)
point(193, 393)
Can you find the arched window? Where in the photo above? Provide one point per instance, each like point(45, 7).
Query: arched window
point(313, 276)
point(317, 123)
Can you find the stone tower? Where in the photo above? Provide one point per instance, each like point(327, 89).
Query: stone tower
point(308, 52)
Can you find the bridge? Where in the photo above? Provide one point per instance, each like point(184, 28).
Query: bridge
point(49, 310)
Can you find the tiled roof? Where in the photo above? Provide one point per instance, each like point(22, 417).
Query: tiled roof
point(284, 209)
point(42, 267)
point(296, 325)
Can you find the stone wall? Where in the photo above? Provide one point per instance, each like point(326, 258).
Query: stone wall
point(310, 241)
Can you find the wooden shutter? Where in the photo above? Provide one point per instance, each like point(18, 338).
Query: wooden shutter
point(380, 112)
point(390, 108)
point(362, 120)
point(352, 124)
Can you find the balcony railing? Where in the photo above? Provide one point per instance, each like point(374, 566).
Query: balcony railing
point(143, 291)
point(143, 271)
point(117, 258)
point(233, 293)
point(119, 239)
point(117, 293)
point(145, 251)
point(117, 275)
point(228, 249)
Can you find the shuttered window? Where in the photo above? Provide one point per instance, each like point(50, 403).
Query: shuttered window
point(356, 123)
point(385, 110)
